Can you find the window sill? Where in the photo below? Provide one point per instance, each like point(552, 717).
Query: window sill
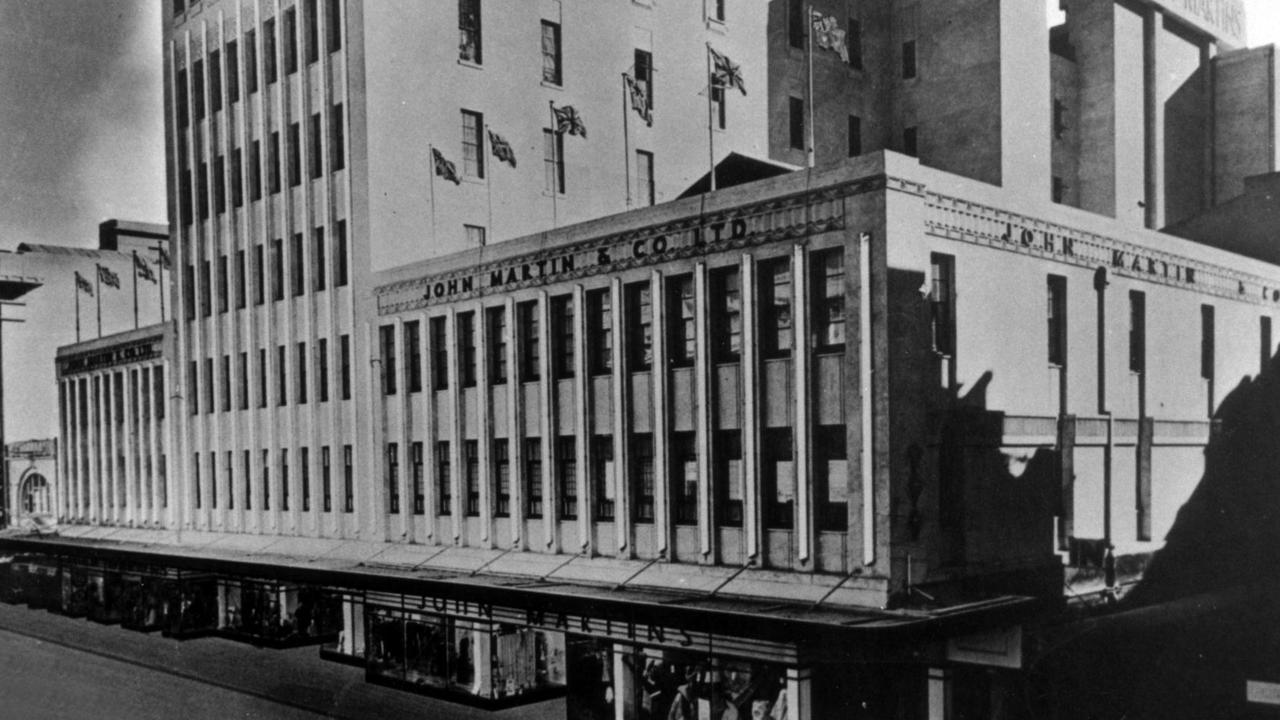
point(717, 25)
point(552, 85)
point(470, 64)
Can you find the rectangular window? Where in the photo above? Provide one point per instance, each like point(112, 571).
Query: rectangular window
point(222, 284)
point(290, 41)
point(195, 466)
point(300, 368)
point(180, 90)
point(530, 338)
point(208, 385)
point(259, 280)
point(237, 178)
point(684, 478)
point(247, 471)
point(942, 303)
point(496, 326)
point(393, 478)
point(387, 343)
point(855, 136)
point(262, 377)
point(326, 485)
point(226, 383)
point(282, 388)
point(419, 497)
point(206, 289)
point(562, 343)
point(189, 291)
point(193, 386)
point(413, 355)
point(1264, 334)
point(600, 331)
point(553, 161)
point(304, 459)
point(726, 314)
point(469, 40)
point(644, 74)
point(317, 151)
point(602, 479)
point(266, 480)
point(337, 138)
point(551, 71)
point(444, 479)
point(640, 326)
point(197, 88)
point(831, 477)
point(215, 81)
point(467, 348)
point(645, 194)
point(1059, 118)
point(533, 477)
point(797, 24)
point(233, 72)
point(322, 368)
point(340, 254)
point(202, 191)
point(729, 477)
point(642, 477)
point(317, 259)
point(243, 377)
point(567, 477)
point(251, 61)
point(333, 10)
point(717, 10)
point(159, 393)
point(295, 155)
point(269, 49)
point(911, 142)
point(795, 114)
point(297, 276)
point(311, 29)
point(255, 170)
point(827, 285)
point(440, 354)
point(775, 308)
point(1137, 331)
point(472, 144)
point(908, 59)
point(348, 480)
point(680, 321)
point(219, 185)
point(471, 461)
point(284, 479)
point(273, 164)
point(277, 269)
point(1058, 189)
point(502, 479)
point(853, 41)
point(475, 235)
point(1207, 342)
point(345, 346)
point(778, 478)
point(1057, 320)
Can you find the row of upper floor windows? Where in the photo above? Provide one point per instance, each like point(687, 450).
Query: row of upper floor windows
point(214, 482)
point(229, 390)
point(90, 395)
point(774, 300)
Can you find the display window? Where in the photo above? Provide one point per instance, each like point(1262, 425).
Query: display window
point(276, 614)
point(190, 607)
point(685, 686)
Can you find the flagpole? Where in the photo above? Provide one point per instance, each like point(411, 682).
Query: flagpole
point(161, 282)
point(809, 152)
point(711, 129)
point(431, 185)
point(626, 142)
point(97, 286)
point(135, 289)
point(555, 165)
point(77, 281)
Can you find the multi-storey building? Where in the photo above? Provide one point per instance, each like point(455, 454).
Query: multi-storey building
point(819, 440)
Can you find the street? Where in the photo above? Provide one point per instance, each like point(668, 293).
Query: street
point(57, 667)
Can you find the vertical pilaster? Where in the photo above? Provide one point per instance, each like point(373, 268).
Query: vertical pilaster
point(803, 420)
point(95, 448)
point(750, 368)
point(515, 429)
point(132, 439)
point(69, 456)
point(624, 479)
point(624, 685)
point(800, 694)
point(153, 446)
point(659, 379)
point(582, 421)
point(550, 434)
point(939, 693)
point(430, 462)
point(404, 515)
point(1153, 119)
point(484, 423)
point(459, 424)
point(703, 409)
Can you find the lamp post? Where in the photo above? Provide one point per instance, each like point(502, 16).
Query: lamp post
point(11, 288)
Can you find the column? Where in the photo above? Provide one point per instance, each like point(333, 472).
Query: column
point(749, 365)
point(800, 694)
point(939, 693)
point(405, 519)
point(624, 684)
point(550, 433)
point(515, 429)
point(458, 469)
point(153, 445)
point(662, 526)
point(429, 459)
point(484, 423)
point(703, 379)
point(71, 458)
point(111, 446)
point(1154, 119)
point(585, 427)
point(621, 419)
point(803, 421)
point(95, 448)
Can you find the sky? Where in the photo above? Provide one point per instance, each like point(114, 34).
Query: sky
point(81, 119)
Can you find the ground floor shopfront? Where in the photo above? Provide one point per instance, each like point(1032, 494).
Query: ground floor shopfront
point(504, 642)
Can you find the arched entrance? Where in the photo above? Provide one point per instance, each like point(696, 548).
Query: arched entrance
point(35, 497)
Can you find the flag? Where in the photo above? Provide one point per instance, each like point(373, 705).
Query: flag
point(164, 260)
point(82, 284)
point(444, 168)
point(569, 121)
point(829, 36)
point(143, 269)
point(106, 277)
point(502, 149)
point(639, 99)
point(726, 74)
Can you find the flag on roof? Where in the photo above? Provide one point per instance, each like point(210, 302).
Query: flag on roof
point(502, 149)
point(164, 260)
point(84, 285)
point(445, 168)
point(569, 121)
point(639, 98)
point(726, 73)
point(828, 35)
point(143, 269)
point(106, 277)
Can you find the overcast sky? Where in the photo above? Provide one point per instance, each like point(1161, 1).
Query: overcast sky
point(81, 125)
